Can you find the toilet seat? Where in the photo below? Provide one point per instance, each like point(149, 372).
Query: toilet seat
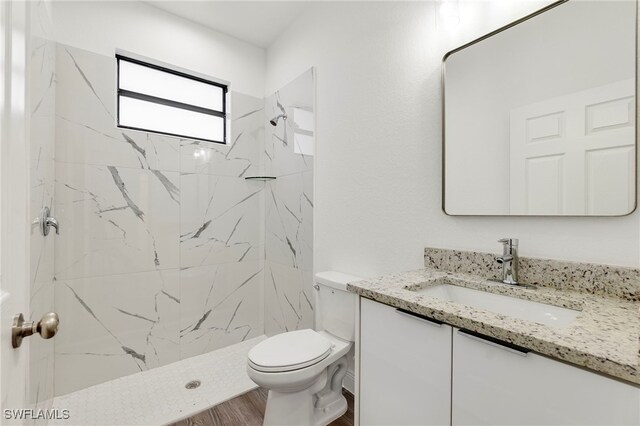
point(289, 351)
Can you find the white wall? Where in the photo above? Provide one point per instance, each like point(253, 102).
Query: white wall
point(378, 156)
point(103, 26)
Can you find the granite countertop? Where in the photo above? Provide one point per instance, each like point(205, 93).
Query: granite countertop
point(605, 335)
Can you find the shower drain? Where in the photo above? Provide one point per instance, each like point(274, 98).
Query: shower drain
point(192, 384)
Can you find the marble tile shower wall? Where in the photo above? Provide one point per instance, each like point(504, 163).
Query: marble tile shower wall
point(42, 176)
point(289, 298)
point(161, 251)
point(41, 104)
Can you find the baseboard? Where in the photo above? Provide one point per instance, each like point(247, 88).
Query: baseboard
point(349, 382)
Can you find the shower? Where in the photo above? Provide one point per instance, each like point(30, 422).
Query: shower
point(274, 120)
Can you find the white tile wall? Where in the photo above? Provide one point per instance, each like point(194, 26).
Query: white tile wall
point(281, 158)
point(121, 324)
point(166, 251)
point(118, 220)
point(220, 220)
point(289, 299)
point(289, 296)
point(162, 245)
point(289, 220)
point(244, 157)
point(220, 305)
point(42, 81)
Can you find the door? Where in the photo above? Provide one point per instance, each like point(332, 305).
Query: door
point(405, 368)
point(26, 186)
point(14, 161)
point(575, 154)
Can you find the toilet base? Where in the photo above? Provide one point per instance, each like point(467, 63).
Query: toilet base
point(318, 405)
point(332, 411)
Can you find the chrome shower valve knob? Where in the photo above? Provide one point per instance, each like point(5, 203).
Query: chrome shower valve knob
point(46, 221)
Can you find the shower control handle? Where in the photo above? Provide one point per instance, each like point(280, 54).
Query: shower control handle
point(47, 327)
point(46, 221)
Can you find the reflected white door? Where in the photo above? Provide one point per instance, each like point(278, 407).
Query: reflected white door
point(575, 154)
point(14, 203)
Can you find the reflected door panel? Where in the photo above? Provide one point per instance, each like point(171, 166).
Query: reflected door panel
point(574, 154)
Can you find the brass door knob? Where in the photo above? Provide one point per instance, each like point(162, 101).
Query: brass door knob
point(47, 327)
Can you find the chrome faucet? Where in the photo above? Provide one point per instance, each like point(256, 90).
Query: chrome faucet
point(509, 260)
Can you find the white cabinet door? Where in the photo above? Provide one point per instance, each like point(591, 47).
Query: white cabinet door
point(497, 385)
point(405, 368)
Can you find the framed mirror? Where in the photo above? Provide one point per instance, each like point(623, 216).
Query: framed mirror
point(539, 117)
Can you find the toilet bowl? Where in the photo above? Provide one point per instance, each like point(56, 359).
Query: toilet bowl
point(304, 369)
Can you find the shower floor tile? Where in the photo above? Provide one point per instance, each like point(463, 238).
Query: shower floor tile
point(159, 396)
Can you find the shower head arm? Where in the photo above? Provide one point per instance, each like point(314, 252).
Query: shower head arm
point(274, 120)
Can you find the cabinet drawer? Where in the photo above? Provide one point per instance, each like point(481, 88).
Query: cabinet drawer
point(502, 385)
point(405, 368)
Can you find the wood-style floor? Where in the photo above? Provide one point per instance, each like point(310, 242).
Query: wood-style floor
point(248, 409)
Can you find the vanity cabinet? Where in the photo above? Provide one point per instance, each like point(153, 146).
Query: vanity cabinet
point(498, 384)
point(414, 371)
point(405, 368)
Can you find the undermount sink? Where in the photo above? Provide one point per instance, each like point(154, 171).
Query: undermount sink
point(540, 313)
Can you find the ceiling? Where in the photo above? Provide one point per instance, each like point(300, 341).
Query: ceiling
point(256, 22)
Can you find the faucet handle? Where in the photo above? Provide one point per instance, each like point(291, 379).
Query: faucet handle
point(509, 241)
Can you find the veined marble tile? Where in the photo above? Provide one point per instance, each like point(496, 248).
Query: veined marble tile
point(41, 351)
point(115, 325)
point(42, 174)
point(115, 220)
point(280, 154)
point(289, 298)
point(221, 220)
point(41, 381)
point(42, 148)
point(289, 220)
point(135, 206)
point(86, 131)
point(242, 155)
point(289, 213)
point(42, 80)
point(220, 305)
point(41, 20)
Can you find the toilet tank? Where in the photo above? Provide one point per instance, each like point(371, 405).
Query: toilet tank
point(335, 307)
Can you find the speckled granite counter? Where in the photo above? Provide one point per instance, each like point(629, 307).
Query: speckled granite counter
point(605, 336)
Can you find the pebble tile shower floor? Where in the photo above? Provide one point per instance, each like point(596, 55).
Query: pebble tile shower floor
point(159, 396)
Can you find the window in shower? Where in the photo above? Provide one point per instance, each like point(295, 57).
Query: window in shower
point(156, 99)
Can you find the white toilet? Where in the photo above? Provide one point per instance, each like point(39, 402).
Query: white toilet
point(303, 369)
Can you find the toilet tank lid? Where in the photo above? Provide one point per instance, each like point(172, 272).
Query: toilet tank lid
point(337, 280)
